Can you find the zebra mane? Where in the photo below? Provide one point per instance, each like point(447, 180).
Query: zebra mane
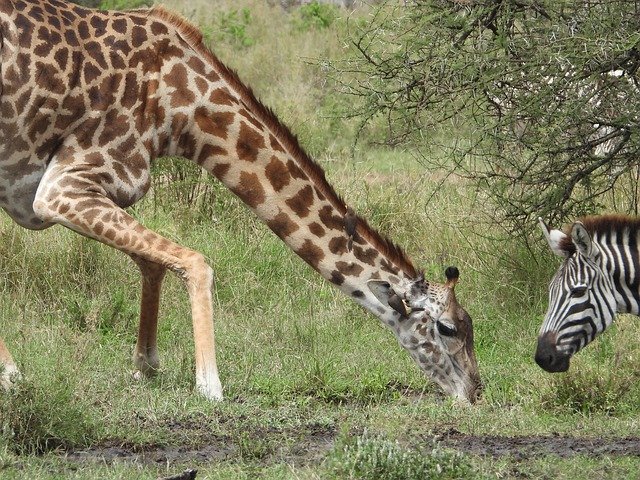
point(600, 225)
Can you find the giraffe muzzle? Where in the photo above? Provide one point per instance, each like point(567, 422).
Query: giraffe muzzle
point(547, 355)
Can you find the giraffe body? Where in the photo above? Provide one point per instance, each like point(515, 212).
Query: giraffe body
point(88, 99)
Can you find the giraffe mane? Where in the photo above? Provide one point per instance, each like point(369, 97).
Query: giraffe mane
point(192, 35)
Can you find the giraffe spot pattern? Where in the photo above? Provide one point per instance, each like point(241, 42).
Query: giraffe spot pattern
point(277, 174)
point(249, 189)
point(282, 225)
point(249, 143)
point(301, 202)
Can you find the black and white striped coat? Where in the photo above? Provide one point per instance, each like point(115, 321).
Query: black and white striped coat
point(599, 277)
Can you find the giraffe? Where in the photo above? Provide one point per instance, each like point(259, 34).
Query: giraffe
point(88, 99)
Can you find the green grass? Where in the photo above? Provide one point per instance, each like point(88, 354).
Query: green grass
point(315, 388)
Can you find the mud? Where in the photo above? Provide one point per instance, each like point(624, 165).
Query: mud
point(312, 445)
point(528, 446)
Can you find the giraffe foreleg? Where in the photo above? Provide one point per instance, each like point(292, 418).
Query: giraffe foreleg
point(145, 355)
point(68, 196)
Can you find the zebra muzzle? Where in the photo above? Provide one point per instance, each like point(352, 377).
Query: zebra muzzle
point(547, 355)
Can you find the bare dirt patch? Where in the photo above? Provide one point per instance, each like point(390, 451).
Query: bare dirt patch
point(311, 444)
point(529, 446)
point(267, 446)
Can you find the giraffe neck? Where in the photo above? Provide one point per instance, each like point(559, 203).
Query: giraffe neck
point(233, 136)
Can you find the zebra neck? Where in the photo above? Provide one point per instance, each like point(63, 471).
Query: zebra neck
point(620, 258)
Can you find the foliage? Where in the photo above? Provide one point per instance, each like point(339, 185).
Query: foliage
point(316, 15)
point(37, 418)
point(542, 95)
point(372, 457)
point(232, 27)
point(124, 4)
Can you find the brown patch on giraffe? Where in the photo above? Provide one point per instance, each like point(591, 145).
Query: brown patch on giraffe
point(338, 245)
point(388, 266)
point(329, 219)
point(115, 125)
point(25, 27)
point(158, 29)
point(310, 253)
point(349, 269)
point(296, 171)
point(301, 202)
point(317, 229)
point(222, 96)
point(131, 89)
point(247, 116)
point(48, 38)
point(213, 123)
point(99, 25)
point(275, 144)
point(249, 143)
point(277, 174)
point(367, 256)
point(47, 78)
point(138, 36)
point(203, 85)
point(178, 79)
point(282, 225)
point(336, 278)
point(61, 57)
point(120, 25)
point(208, 152)
point(249, 189)
point(219, 170)
point(95, 51)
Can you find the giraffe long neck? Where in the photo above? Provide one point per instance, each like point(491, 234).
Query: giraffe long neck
point(232, 135)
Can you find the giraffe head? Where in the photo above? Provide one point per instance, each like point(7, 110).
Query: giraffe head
point(435, 329)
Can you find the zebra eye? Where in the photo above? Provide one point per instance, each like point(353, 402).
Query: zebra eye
point(578, 291)
point(446, 329)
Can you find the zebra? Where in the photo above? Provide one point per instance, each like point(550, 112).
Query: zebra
point(599, 277)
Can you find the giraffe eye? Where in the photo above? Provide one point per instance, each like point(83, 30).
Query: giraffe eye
point(446, 329)
point(578, 291)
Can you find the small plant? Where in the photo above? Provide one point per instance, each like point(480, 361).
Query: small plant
point(35, 419)
point(233, 27)
point(588, 390)
point(124, 4)
point(372, 457)
point(316, 15)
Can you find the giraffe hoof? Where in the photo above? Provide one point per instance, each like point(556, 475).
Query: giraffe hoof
point(138, 376)
point(211, 391)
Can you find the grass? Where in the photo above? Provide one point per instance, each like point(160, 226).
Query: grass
point(315, 388)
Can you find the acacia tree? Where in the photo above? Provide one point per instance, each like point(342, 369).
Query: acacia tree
point(545, 93)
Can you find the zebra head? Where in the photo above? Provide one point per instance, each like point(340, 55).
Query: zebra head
point(582, 300)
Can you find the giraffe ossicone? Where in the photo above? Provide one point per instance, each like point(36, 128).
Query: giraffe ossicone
point(88, 99)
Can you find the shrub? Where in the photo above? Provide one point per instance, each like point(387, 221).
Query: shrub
point(316, 15)
point(590, 390)
point(372, 457)
point(35, 418)
point(124, 4)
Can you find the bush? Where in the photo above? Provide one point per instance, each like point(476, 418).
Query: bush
point(316, 15)
point(35, 419)
point(371, 457)
point(590, 390)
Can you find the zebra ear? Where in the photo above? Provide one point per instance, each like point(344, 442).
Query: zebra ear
point(554, 238)
point(581, 239)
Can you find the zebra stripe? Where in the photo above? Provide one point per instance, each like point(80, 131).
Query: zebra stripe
point(589, 288)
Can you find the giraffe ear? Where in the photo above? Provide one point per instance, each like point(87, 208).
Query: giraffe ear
point(554, 238)
point(387, 296)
